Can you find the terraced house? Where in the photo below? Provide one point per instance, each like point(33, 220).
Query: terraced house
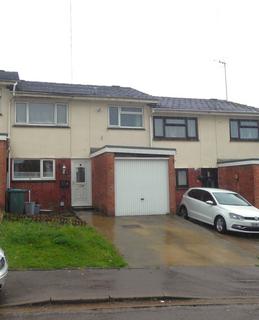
point(119, 150)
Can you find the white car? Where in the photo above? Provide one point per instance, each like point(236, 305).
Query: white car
point(226, 210)
point(3, 268)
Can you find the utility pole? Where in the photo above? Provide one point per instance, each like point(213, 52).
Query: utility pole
point(225, 71)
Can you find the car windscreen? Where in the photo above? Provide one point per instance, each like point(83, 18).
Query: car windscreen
point(230, 199)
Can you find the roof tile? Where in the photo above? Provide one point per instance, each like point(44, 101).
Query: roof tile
point(8, 76)
point(204, 105)
point(82, 90)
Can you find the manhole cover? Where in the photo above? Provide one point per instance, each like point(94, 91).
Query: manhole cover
point(131, 226)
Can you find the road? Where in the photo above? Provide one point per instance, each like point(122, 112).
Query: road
point(203, 312)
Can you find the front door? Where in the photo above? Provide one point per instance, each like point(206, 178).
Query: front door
point(209, 177)
point(81, 183)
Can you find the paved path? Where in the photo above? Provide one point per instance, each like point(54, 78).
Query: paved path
point(97, 284)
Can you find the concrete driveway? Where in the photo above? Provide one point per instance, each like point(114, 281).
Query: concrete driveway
point(163, 241)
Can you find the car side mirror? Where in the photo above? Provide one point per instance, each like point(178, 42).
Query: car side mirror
point(211, 203)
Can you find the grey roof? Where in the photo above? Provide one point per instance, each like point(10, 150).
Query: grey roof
point(82, 90)
point(204, 105)
point(9, 76)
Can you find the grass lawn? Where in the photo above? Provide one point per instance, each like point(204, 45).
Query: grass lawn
point(29, 245)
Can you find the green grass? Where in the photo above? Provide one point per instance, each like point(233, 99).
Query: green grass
point(34, 245)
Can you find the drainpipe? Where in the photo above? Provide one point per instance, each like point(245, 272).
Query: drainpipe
point(151, 129)
point(9, 135)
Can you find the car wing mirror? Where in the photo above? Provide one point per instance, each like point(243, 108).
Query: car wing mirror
point(210, 202)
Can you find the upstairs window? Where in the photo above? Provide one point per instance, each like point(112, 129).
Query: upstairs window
point(35, 113)
point(175, 128)
point(244, 130)
point(33, 169)
point(125, 117)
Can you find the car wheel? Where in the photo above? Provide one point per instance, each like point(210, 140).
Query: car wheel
point(184, 212)
point(220, 225)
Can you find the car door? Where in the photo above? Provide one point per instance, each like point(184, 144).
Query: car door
point(207, 211)
point(193, 203)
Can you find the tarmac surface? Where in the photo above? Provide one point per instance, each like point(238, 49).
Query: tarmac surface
point(100, 285)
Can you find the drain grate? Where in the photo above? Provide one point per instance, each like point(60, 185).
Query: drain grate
point(131, 226)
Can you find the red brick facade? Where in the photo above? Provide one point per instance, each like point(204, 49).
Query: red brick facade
point(103, 189)
point(49, 194)
point(193, 180)
point(171, 175)
point(242, 179)
point(103, 183)
point(3, 172)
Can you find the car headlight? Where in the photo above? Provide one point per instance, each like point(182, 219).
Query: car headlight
point(235, 216)
point(2, 262)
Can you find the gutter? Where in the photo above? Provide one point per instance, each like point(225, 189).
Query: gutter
point(165, 110)
point(78, 97)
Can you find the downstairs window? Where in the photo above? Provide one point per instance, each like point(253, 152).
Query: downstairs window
point(33, 169)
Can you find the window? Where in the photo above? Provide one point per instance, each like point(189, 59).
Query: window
point(35, 113)
point(80, 174)
point(181, 178)
point(196, 194)
point(175, 128)
point(230, 199)
point(33, 169)
point(125, 117)
point(244, 130)
point(207, 197)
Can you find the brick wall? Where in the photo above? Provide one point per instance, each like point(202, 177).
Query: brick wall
point(256, 185)
point(172, 195)
point(193, 180)
point(3, 169)
point(241, 179)
point(49, 194)
point(103, 183)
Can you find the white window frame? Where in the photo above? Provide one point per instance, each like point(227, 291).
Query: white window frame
point(41, 171)
point(120, 111)
point(54, 124)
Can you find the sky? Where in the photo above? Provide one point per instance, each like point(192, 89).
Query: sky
point(161, 47)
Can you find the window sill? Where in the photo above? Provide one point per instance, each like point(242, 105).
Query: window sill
point(176, 139)
point(244, 140)
point(125, 128)
point(182, 188)
point(40, 126)
point(34, 180)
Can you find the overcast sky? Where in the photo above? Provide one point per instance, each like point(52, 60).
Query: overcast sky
point(161, 47)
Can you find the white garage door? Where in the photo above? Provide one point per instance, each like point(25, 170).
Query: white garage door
point(141, 187)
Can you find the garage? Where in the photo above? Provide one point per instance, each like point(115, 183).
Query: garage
point(141, 187)
point(133, 181)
